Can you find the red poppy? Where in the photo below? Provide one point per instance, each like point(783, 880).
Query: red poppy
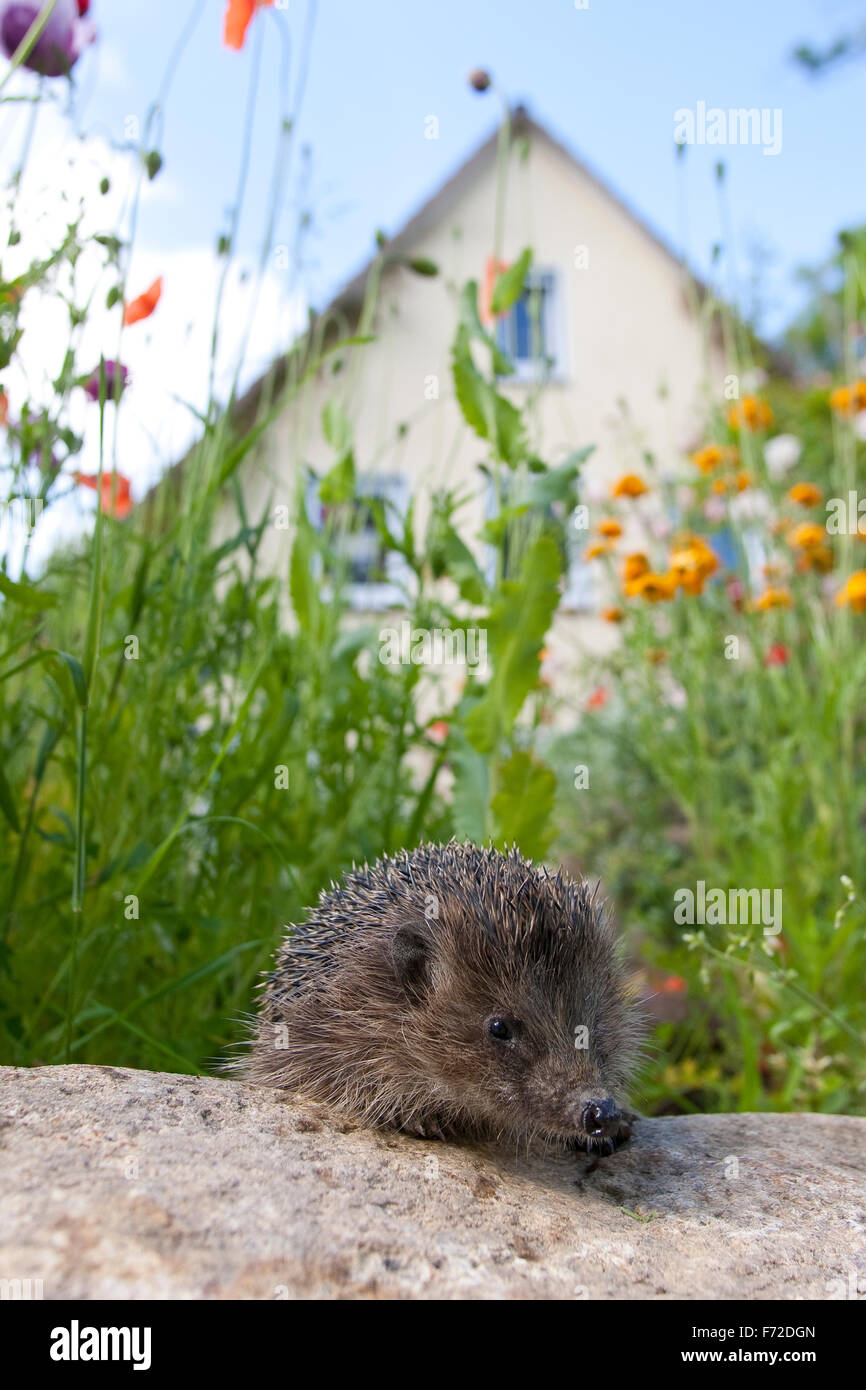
point(438, 731)
point(597, 698)
point(4, 408)
point(239, 15)
point(492, 270)
point(143, 307)
point(777, 655)
point(115, 498)
point(674, 984)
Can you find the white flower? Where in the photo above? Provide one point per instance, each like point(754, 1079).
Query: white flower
point(781, 453)
point(752, 505)
point(860, 424)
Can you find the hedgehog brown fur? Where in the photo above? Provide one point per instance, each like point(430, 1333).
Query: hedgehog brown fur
point(441, 992)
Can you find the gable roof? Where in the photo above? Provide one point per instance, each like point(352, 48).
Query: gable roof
point(450, 192)
point(349, 299)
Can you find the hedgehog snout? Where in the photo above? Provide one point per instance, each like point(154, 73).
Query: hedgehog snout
point(600, 1117)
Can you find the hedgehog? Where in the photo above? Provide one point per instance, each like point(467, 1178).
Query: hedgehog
point(455, 992)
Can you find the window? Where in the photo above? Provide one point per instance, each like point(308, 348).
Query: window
point(372, 577)
point(531, 334)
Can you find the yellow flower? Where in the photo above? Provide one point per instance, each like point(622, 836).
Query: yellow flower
point(655, 588)
point(609, 527)
point(854, 592)
point(629, 485)
point(613, 615)
point(807, 536)
point(773, 598)
point(708, 458)
point(635, 565)
point(594, 552)
point(751, 412)
point(742, 481)
point(806, 494)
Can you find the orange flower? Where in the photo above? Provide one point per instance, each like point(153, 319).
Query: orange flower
point(594, 552)
point(819, 559)
point(492, 270)
point(438, 730)
point(849, 400)
point(773, 598)
point(613, 615)
point(751, 412)
point(4, 408)
point(854, 592)
point(115, 499)
point(629, 485)
point(708, 458)
point(143, 307)
point(674, 984)
point(742, 481)
point(806, 494)
point(597, 698)
point(609, 527)
point(655, 588)
point(635, 565)
point(712, 456)
point(691, 566)
point(238, 17)
point(807, 536)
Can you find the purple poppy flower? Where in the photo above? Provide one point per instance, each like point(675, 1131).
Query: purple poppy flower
point(61, 42)
point(116, 382)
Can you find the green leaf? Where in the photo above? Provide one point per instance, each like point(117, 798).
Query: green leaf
point(7, 804)
point(302, 586)
point(338, 484)
point(523, 805)
point(470, 791)
point(336, 427)
point(509, 285)
point(26, 595)
point(422, 266)
point(557, 484)
point(516, 627)
point(488, 413)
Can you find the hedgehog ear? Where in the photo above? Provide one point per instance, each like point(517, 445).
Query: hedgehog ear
point(410, 953)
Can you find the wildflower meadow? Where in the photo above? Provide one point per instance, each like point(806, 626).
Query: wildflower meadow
point(196, 742)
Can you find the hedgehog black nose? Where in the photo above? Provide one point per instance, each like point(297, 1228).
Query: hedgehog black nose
point(600, 1118)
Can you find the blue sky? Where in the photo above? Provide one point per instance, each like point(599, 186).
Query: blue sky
point(606, 79)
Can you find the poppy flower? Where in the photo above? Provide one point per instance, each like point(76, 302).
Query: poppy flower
point(751, 412)
point(598, 698)
point(239, 14)
point(144, 305)
point(805, 494)
point(114, 498)
point(116, 382)
point(629, 485)
point(674, 984)
point(777, 655)
point(62, 41)
point(854, 592)
point(492, 270)
point(4, 408)
point(438, 730)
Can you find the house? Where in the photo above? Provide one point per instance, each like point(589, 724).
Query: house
point(607, 340)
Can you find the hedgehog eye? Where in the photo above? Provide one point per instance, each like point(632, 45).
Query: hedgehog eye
point(499, 1029)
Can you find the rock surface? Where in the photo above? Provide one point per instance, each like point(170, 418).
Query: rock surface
point(126, 1184)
